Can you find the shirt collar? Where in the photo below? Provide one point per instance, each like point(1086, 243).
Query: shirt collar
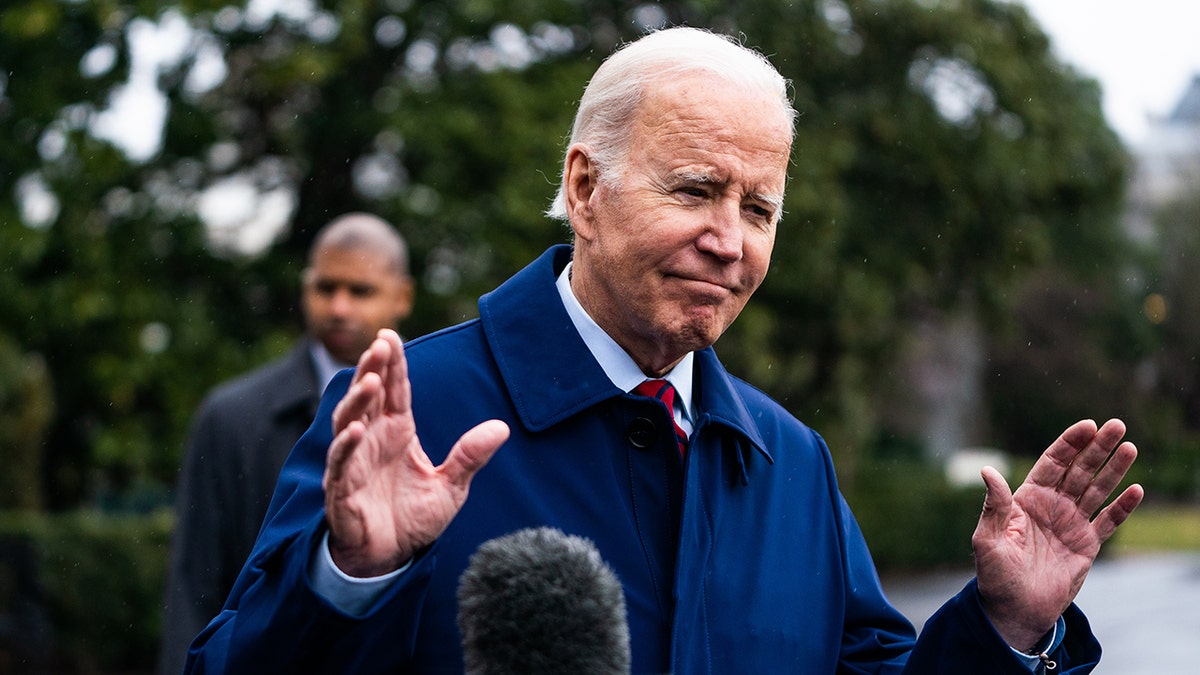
point(616, 363)
point(323, 361)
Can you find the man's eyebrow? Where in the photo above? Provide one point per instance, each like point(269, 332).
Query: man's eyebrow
point(773, 200)
point(697, 177)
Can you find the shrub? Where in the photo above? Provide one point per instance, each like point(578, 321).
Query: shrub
point(912, 518)
point(82, 591)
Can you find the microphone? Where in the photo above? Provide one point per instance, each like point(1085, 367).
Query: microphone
point(538, 601)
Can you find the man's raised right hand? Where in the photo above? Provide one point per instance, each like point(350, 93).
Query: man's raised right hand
point(384, 499)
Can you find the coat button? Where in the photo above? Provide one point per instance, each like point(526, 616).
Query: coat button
point(641, 433)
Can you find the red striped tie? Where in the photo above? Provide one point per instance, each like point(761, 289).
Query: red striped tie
point(665, 392)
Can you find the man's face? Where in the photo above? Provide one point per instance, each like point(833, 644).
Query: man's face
point(349, 294)
point(669, 250)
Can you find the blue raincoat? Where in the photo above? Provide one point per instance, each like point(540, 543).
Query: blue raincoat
point(742, 559)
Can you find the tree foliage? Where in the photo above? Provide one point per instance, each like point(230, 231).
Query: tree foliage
point(1171, 369)
point(941, 152)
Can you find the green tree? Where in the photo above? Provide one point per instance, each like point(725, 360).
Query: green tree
point(941, 151)
point(106, 282)
point(1174, 284)
point(1172, 306)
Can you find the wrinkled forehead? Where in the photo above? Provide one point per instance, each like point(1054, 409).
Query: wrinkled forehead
point(696, 89)
point(711, 115)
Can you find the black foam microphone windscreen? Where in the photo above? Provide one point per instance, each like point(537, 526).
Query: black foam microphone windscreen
point(538, 601)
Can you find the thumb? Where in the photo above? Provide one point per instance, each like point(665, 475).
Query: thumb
point(473, 450)
point(997, 502)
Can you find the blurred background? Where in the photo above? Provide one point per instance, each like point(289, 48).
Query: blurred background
point(973, 254)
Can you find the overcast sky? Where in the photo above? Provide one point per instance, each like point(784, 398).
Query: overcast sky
point(1144, 52)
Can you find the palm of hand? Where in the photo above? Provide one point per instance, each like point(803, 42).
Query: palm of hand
point(1034, 549)
point(384, 499)
point(1042, 555)
point(389, 467)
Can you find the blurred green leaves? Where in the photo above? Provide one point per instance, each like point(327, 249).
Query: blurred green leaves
point(942, 153)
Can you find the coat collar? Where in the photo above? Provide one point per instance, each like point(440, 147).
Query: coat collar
point(294, 379)
point(559, 377)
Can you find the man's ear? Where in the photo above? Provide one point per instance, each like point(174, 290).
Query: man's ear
point(405, 293)
point(580, 184)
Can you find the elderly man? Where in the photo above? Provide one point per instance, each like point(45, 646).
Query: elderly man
point(356, 282)
point(717, 509)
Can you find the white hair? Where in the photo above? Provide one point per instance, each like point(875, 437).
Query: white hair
point(611, 99)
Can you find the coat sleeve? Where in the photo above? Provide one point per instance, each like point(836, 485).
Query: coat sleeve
point(959, 638)
point(273, 621)
point(876, 637)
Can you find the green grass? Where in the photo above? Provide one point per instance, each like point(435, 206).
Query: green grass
point(1160, 527)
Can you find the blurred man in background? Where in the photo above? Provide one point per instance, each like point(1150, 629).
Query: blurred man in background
point(355, 283)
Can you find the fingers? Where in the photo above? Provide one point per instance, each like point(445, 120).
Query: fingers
point(380, 382)
point(397, 392)
point(375, 358)
point(473, 450)
point(1050, 468)
point(340, 451)
point(997, 504)
point(1107, 522)
point(1073, 459)
point(1107, 478)
point(362, 401)
point(1087, 464)
point(1080, 475)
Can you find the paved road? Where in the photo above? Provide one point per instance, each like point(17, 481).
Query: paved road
point(1144, 608)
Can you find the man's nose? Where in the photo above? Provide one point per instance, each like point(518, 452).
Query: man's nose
point(341, 302)
point(723, 233)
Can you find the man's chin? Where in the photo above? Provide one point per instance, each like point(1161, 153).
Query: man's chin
point(706, 324)
point(343, 349)
point(693, 337)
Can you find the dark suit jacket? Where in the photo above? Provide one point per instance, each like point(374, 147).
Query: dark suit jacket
point(240, 437)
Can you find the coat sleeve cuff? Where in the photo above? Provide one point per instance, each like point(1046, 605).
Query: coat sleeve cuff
point(350, 595)
point(959, 638)
point(1046, 645)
